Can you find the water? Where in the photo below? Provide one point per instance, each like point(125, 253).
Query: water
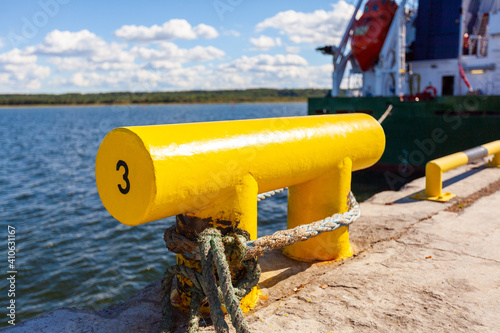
point(71, 252)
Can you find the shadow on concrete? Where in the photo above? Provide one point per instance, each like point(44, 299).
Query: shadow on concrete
point(277, 267)
point(446, 183)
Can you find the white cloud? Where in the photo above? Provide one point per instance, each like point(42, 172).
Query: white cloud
point(168, 51)
point(164, 65)
point(232, 33)
point(265, 70)
point(318, 27)
point(117, 80)
point(2, 43)
point(265, 63)
point(19, 71)
point(140, 80)
point(264, 43)
point(71, 64)
point(172, 29)
point(69, 43)
point(201, 53)
point(94, 64)
point(83, 61)
point(292, 49)
point(81, 44)
point(17, 57)
point(206, 31)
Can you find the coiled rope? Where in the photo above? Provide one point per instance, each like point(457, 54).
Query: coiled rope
point(212, 249)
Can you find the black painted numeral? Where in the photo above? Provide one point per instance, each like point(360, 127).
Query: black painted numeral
point(125, 177)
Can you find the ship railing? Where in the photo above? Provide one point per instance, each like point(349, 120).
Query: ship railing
point(435, 168)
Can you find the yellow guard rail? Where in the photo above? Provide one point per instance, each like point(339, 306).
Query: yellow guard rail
point(435, 168)
point(209, 175)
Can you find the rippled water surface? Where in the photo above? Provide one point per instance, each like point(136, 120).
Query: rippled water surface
point(71, 252)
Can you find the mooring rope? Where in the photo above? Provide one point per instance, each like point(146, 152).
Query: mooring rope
point(304, 232)
point(269, 194)
point(213, 249)
point(177, 243)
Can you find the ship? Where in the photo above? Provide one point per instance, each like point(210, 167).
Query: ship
point(429, 73)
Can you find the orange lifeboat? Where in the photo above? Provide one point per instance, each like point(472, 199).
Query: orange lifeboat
point(370, 31)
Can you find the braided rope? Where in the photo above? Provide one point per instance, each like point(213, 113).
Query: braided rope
point(213, 254)
point(210, 285)
point(188, 248)
point(263, 196)
point(304, 232)
point(213, 248)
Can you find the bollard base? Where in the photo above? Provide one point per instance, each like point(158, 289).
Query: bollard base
point(250, 301)
point(444, 197)
point(492, 164)
point(182, 301)
point(328, 246)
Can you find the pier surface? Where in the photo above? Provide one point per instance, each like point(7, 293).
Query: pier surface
point(419, 266)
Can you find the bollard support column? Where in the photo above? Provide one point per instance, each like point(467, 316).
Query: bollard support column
point(495, 162)
point(493, 149)
point(236, 209)
point(314, 201)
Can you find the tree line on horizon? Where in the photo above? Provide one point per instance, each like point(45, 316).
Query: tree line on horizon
point(195, 96)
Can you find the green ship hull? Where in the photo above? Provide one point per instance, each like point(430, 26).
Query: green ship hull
point(420, 131)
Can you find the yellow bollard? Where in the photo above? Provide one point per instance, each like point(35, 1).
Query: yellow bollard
point(147, 173)
point(435, 168)
point(209, 174)
point(434, 173)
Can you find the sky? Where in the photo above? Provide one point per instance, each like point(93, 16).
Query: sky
point(84, 46)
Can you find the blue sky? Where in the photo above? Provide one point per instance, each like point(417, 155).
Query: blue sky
point(58, 46)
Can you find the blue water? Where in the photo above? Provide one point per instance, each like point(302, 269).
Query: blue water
point(71, 252)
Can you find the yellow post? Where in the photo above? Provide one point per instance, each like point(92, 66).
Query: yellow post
point(493, 149)
point(433, 175)
point(496, 160)
point(314, 201)
point(433, 180)
point(239, 211)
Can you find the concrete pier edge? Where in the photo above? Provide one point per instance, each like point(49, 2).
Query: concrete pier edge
point(419, 266)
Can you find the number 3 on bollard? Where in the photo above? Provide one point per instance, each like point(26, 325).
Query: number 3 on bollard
point(119, 164)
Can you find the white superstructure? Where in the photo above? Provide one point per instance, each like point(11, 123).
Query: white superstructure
point(397, 74)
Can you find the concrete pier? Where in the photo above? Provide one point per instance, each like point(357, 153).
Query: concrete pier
point(419, 266)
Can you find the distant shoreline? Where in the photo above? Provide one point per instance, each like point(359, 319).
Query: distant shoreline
point(3, 106)
point(161, 98)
